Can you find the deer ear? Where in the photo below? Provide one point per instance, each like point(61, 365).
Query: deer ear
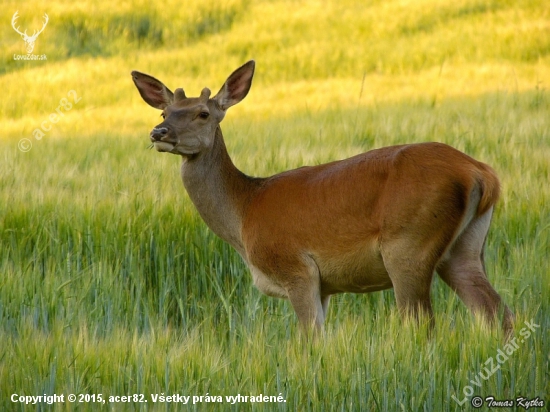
point(153, 91)
point(236, 86)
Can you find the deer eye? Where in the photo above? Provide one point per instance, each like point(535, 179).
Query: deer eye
point(204, 115)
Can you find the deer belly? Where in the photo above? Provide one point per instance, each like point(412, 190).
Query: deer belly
point(355, 269)
point(359, 271)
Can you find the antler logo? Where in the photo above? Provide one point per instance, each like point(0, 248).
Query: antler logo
point(29, 40)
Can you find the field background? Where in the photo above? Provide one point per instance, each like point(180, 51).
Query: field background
point(109, 281)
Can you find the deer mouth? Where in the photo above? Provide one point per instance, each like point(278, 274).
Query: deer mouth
point(164, 146)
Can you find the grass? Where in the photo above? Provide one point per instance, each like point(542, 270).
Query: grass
point(109, 281)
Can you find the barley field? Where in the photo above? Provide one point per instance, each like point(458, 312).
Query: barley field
point(113, 290)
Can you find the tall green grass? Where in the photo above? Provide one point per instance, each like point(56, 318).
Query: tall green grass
point(111, 284)
point(109, 281)
point(99, 29)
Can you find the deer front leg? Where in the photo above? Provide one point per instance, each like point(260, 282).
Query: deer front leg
point(293, 276)
point(304, 293)
point(306, 301)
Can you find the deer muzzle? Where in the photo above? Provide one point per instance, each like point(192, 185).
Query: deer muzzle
point(158, 133)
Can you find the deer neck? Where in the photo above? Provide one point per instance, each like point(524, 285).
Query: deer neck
point(219, 191)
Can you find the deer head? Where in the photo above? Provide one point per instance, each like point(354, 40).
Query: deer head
point(29, 40)
point(190, 124)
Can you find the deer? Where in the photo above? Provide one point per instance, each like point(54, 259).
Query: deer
point(391, 217)
point(29, 40)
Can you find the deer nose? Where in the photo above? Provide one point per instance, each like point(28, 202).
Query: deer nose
point(158, 133)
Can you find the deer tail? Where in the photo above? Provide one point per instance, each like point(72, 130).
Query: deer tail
point(490, 189)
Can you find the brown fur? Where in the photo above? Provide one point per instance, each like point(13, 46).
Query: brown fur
point(387, 218)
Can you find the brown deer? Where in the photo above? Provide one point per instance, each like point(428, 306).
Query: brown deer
point(387, 218)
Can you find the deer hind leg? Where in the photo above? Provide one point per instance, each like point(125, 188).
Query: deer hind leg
point(324, 303)
point(463, 270)
point(411, 277)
